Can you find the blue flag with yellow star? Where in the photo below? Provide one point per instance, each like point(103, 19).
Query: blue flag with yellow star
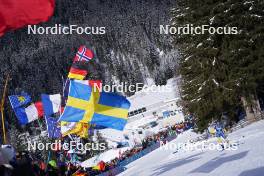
point(88, 105)
point(19, 100)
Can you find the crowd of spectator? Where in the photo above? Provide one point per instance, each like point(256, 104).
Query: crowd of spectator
point(147, 142)
point(26, 166)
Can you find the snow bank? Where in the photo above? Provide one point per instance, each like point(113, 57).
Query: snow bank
point(106, 156)
point(246, 160)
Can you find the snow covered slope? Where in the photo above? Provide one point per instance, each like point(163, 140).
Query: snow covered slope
point(106, 157)
point(247, 160)
point(153, 94)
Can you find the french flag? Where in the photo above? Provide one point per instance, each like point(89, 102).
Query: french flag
point(30, 113)
point(51, 103)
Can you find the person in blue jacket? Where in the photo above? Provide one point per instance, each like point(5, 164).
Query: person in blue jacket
point(219, 130)
point(220, 134)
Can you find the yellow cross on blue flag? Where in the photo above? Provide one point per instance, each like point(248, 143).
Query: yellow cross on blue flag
point(88, 105)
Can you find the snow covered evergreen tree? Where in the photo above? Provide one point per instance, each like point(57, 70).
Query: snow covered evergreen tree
point(221, 72)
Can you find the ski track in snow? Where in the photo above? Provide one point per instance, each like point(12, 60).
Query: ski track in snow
point(247, 160)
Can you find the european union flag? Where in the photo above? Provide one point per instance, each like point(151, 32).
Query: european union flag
point(53, 130)
point(19, 100)
point(86, 104)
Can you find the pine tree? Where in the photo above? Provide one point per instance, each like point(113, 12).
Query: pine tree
point(219, 70)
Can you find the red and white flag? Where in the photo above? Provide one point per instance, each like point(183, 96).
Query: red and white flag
point(15, 14)
point(34, 111)
point(84, 54)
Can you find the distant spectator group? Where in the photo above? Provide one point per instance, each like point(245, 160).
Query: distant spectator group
point(147, 142)
point(23, 164)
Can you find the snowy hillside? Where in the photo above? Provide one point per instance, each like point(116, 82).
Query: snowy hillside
point(153, 94)
point(247, 160)
point(136, 124)
point(132, 135)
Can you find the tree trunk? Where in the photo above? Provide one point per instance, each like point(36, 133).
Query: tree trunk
point(252, 109)
point(257, 109)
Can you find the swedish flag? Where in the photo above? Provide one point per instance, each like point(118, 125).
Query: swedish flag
point(86, 104)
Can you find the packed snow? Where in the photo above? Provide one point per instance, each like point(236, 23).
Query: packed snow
point(113, 137)
point(106, 157)
point(246, 160)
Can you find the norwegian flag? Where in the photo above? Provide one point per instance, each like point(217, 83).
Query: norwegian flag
point(84, 54)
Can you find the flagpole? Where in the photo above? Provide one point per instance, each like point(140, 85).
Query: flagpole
point(2, 107)
point(48, 159)
point(53, 130)
point(49, 153)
